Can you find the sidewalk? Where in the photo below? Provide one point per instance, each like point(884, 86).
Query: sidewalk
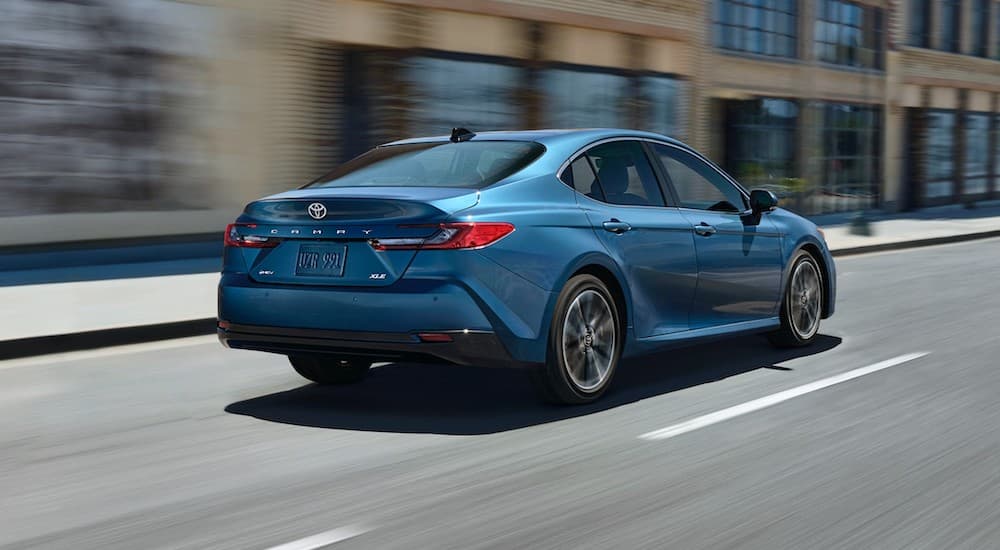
point(38, 316)
point(926, 227)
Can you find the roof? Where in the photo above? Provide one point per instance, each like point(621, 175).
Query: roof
point(554, 137)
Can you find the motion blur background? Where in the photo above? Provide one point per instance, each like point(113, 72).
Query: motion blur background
point(126, 118)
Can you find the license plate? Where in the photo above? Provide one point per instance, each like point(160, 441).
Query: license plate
point(318, 260)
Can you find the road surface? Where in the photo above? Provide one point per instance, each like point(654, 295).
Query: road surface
point(185, 445)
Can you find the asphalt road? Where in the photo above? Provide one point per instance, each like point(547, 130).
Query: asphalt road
point(184, 444)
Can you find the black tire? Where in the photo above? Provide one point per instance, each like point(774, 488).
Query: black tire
point(329, 369)
point(795, 300)
point(584, 381)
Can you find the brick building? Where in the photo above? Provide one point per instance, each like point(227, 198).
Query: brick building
point(838, 104)
point(841, 104)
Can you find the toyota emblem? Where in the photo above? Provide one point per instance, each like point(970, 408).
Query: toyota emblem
point(317, 211)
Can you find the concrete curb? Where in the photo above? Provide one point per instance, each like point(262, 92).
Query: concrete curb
point(917, 243)
point(44, 345)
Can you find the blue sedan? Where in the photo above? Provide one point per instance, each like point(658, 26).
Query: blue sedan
point(561, 251)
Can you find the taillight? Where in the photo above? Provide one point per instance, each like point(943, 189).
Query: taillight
point(451, 236)
point(234, 238)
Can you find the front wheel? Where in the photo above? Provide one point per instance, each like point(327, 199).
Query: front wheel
point(325, 369)
point(802, 304)
point(585, 343)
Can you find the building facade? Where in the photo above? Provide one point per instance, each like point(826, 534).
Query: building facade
point(837, 105)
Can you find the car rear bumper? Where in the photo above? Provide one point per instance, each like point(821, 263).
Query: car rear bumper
point(467, 347)
point(494, 315)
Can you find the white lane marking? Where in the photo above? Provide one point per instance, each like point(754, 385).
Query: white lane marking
point(325, 538)
point(108, 352)
point(757, 404)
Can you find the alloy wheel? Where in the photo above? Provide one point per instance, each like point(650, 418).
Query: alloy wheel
point(804, 300)
point(588, 340)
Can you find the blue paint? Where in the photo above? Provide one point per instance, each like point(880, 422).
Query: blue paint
point(677, 285)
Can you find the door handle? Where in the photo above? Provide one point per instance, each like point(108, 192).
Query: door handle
point(704, 229)
point(614, 225)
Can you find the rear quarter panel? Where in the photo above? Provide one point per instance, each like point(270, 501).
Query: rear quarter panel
point(553, 239)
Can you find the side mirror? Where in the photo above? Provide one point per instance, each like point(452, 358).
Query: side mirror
point(762, 200)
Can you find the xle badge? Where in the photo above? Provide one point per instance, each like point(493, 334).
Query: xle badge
point(377, 276)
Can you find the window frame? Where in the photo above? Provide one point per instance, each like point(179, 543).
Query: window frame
point(431, 54)
point(921, 39)
point(761, 14)
point(835, 131)
point(982, 22)
point(870, 31)
point(666, 197)
point(950, 36)
point(713, 168)
point(669, 195)
point(956, 165)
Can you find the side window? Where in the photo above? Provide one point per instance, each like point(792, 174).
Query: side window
point(697, 184)
point(625, 174)
point(580, 176)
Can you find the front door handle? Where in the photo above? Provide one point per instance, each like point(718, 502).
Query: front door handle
point(704, 229)
point(614, 225)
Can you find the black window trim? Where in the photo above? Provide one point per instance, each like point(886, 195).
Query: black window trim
point(656, 171)
point(583, 152)
point(711, 165)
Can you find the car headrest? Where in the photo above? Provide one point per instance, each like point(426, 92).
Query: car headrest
point(614, 175)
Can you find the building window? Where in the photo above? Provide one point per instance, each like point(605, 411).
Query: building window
point(761, 143)
point(473, 94)
point(997, 38)
point(585, 99)
point(920, 23)
point(951, 24)
point(981, 28)
point(940, 154)
point(849, 173)
point(996, 158)
point(764, 27)
point(663, 97)
point(977, 154)
point(849, 34)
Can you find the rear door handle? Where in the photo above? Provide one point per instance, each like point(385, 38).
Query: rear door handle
point(617, 226)
point(704, 229)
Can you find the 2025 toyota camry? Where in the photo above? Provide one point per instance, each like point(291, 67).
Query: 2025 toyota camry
point(562, 251)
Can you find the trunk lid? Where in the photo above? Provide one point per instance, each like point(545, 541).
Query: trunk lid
point(324, 234)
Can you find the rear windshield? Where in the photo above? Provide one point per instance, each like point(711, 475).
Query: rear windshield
point(474, 164)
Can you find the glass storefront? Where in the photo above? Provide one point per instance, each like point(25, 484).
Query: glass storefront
point(473, 94)
point(977, 154)
point(760, 142)
point(584, 98)
point(849, 174)
point(996, 157)
point(663, 97)
point(940, 154)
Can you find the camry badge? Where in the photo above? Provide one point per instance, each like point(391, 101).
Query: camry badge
point(317, 211)
point(366, 231)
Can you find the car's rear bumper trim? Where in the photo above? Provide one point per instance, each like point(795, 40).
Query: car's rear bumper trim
point(468, 347)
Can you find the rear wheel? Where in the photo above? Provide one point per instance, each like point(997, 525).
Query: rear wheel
point(329, 369)
point(802, 304)
point(585, 342)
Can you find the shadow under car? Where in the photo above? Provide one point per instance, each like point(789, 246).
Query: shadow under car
point(458, 400)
